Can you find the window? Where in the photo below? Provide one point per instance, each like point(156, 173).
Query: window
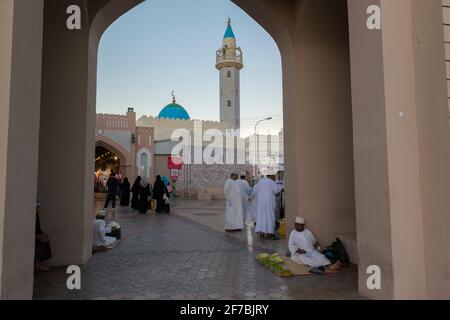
point(144, 165)
point(229, 74)
point(229, 103)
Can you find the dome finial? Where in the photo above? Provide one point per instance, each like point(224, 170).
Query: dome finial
point(229, 21)
point(174, 99)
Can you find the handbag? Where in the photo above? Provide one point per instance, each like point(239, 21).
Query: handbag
point(166, 199)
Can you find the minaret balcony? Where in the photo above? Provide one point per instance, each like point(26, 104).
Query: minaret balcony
point(231, 57)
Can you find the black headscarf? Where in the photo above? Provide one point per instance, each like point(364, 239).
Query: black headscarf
point(136, 184)
point(159, 188)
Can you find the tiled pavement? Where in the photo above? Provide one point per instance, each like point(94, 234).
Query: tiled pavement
point(186, 256)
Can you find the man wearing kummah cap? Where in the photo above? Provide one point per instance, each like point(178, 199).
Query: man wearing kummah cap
point(99, 230)
point(304, 248)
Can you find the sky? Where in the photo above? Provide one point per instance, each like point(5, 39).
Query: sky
point(165, 45)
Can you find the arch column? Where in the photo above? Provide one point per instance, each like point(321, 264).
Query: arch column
point(67, 136)
point(67, 133)
point(400, 133)
point(401, 147)
point(313, 40)
point(20, 82)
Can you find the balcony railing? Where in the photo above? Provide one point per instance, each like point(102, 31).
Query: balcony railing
point(229, 54)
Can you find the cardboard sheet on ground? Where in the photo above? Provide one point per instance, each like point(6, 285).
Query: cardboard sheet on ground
point(297, 269)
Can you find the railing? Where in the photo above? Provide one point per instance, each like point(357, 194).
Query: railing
point(229, 54)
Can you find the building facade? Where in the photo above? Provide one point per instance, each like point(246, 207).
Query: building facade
point(143, 147)
point(133, 145)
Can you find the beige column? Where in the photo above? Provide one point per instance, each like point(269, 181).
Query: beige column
point(401, 146)
point(20, 78)
point(318, 120)
point(66, 153)
point(67, 148)
point(313, 40)
point(434, 144)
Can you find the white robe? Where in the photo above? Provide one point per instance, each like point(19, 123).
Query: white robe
point(246, 190)
point(265, 206)
point(99, 234)
point(305, 241)
point(234, 215)
point(255, 201)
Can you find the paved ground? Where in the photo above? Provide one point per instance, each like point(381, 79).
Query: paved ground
point(187, 256)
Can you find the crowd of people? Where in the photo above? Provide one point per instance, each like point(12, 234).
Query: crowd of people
point(237, 193)
point(304, 249)
point(145, 197)
point(142, 194)
point(303, 246)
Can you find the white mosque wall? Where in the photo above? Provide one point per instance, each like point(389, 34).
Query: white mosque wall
point(165, 127)
point(196, 178)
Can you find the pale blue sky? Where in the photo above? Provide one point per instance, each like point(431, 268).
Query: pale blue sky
point(165, 45)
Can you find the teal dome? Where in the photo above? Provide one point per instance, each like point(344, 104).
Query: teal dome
point(174, 111)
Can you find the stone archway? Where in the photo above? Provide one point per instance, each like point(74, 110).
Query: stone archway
point(397, 152)
point(124, 156)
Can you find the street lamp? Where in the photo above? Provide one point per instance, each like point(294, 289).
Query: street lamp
point(256, 139)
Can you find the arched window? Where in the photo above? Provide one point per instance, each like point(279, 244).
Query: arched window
point(229, 103)
point(144, 165)
point(229, 74)
point(144, 162)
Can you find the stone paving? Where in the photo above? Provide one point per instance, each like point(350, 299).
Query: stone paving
point(187, 256)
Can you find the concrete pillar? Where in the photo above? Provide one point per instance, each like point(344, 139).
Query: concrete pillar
point(401, 147)
point(20, 79)
point(318, 120)
point(400, 133)
point(67, 135)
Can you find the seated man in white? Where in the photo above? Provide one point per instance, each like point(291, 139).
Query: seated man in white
point(100, 230)
point(303, 247)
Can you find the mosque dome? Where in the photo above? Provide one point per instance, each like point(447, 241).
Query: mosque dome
point(174, 111)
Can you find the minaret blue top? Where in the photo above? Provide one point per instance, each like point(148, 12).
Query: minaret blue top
point(229, 33)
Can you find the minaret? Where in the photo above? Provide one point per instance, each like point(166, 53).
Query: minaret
point(229, 63)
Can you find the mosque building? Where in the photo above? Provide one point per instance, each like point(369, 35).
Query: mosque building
point(143, 147)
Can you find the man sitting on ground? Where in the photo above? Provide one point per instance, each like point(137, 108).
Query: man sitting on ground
point(304, 248)
point(100, 240)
